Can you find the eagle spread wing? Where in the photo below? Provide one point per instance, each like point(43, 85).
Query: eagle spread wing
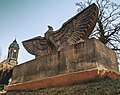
point(36, 46)
point(75, 30)
point(79, 26)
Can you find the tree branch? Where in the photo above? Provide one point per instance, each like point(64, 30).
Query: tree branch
point(115, 49)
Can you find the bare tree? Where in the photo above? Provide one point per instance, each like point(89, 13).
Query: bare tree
point(107, 29)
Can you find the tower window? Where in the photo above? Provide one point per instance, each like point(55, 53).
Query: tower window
point(14, 55)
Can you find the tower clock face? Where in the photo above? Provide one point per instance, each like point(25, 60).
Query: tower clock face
point(14, 50)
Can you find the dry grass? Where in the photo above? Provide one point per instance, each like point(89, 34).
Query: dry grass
point(95, 87)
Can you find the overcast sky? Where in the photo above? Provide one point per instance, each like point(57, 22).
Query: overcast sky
point(25, 19)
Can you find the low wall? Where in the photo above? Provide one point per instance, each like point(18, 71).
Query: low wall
point(83, 56)
point(63, 80)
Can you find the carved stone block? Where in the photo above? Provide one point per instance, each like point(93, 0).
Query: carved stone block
point(89, 55)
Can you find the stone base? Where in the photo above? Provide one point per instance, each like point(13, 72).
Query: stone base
point(63, 80)
point(82, 56)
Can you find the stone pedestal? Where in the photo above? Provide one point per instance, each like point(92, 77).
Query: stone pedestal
point(91, 54)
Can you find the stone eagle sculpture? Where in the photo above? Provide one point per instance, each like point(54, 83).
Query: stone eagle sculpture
point(75, 30)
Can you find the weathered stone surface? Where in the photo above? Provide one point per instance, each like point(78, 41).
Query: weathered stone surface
point(83, 56)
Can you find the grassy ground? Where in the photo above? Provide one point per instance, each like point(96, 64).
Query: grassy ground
point(94, 87)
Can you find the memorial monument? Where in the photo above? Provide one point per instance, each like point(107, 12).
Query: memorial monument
point(65, 56)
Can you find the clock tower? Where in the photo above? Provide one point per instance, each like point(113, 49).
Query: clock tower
point(13, 51)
